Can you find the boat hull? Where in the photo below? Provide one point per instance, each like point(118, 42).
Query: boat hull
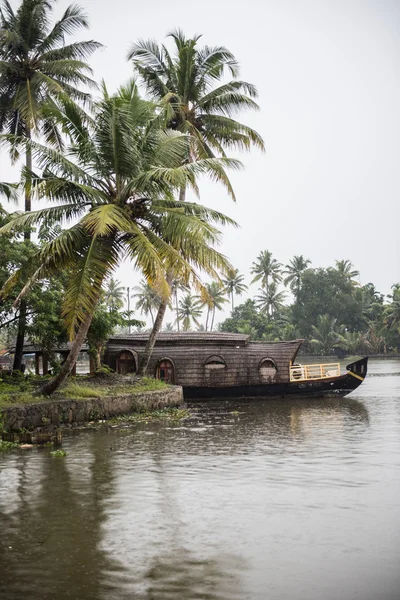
point(329, 386)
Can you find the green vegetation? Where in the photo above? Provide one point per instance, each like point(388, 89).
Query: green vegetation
point(7, 446)
point(58, 453)
point(330, 309)
point(36, 68)
point(115, 171)
point(11, 393)
point(77, 390)
point(164, 414)
point(146, 384)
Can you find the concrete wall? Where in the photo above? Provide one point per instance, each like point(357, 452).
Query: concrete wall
point(53, 413)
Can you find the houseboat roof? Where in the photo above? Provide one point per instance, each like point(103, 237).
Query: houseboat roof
point(195, 337)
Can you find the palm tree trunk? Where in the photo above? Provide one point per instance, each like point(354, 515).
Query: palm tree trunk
point(157, 324)
point(232, 300)
point(208, 314)
point(182, 194)
point(68, 365)
point(212, 320)
point(19, 344)
point(144, 361)
point(177, 309)
point(28, 165)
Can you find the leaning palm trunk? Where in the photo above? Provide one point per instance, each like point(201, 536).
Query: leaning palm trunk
point(68, 365)
point(144, 362)
point(19, 344)
point(177, 310)
point(212, 319)
point(157, 324)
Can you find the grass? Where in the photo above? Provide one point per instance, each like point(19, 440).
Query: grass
point(16, 397)
point(23, 392)
point(75, 390)
point(146, 384)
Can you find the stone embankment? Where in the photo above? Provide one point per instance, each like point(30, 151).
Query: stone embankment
point(52, 414)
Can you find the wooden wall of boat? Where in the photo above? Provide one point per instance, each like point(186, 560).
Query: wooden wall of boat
point(211, 359)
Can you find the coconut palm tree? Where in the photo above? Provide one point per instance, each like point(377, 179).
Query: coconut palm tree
point(116, 184)
point(36, 66)
point(190, 83)
point(176, 287)
point(266, 268)
point(233, 283)
point(214, 301)
point(148, 300)
point(376, 339)
point(269, 300)
point(190, 309)
point(353, 342)
point(294, 271)
point(346, 269)
point(324, 334)
point(114, 295)
point(392, 311)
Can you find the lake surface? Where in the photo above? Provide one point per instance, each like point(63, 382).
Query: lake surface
point(287, 500)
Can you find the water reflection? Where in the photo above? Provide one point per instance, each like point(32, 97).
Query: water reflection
point(51, 538)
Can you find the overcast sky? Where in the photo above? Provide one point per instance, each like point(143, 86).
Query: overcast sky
point(327, 72)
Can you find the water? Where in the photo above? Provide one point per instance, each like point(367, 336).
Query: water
point(287, 500)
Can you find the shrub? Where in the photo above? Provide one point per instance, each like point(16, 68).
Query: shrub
point(104, 370)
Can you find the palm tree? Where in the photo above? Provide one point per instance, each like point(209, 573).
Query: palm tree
point(233, 283)
point(392, 311)
point(190, 309)
point(116, 183)
point(325, 334)
point(294, 271)
point(353, 342)
point(186, 85)
point(214, 301)
point(177, 286)
point(114, 295)
point(36, 66)
point(345, 268)
point(266, 268)
point(375, 339)
point(148, 299)
point(270, 300)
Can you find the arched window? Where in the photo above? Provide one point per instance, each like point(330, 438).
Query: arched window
point(126, 363)
point(166, 371)
point(267, 369)
point(214, 363)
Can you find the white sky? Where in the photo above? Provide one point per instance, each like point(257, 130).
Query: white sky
point(327, 72)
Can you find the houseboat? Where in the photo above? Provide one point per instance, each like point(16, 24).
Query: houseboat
point(215, 365)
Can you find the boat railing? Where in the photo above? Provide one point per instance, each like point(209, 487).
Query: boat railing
point(314, 371)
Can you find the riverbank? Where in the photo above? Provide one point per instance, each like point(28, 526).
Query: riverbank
point(82, 401)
